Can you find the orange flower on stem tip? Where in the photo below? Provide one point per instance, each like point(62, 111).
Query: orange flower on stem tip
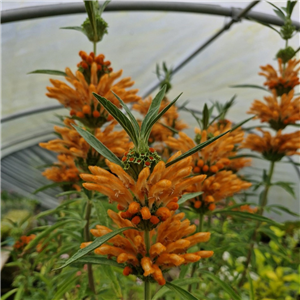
point(168, 247)
point(274, 148)
point(149, 199)
point(278, 114)
point(80, 99)
point(72, 144)
point(218, 187)
point(284, 80)
point(213, 157)
point(23, 241)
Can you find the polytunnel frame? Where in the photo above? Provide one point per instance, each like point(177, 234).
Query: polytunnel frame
point(236, 14)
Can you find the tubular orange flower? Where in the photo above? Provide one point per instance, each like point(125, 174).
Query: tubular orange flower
point(213, 157)
point(283, 81)
point(277, 114)
point(71, 142)
point(23, 241)
point(274, 148)
point(168, 248)
point(149, 195)
point(92, 80)
point(64, 170)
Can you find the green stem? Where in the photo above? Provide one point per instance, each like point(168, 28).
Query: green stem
point(88, 210)
point(95, 47)
point(147, 290)
point(263, 203)
point(201, 218)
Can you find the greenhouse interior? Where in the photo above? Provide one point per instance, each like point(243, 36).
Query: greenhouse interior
point(150, 150)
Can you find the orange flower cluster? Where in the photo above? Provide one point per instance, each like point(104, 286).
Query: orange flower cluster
point(148, 200)
point(277, 114)
point(81, 100)
point(213, 157)
point(71, 142)
point(247, 208)
point(23, 241)
point(218, 187)
point(274, 148)
point(63, 171)
point(160, 132)
point(88, 60)
point(284, 81)
point(170, 242)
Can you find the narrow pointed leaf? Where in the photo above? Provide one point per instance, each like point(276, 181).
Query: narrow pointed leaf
point(49, 72)
point(283, 208)
point(97, 260)
point(227, 288)
point(246, 215)
point(114, 280)
point(265, 24)
point(249, 86)
point(8, 294)
point(278, 11)
point(195, 149)
point(286, 186)
point(184, 294)
point(104, 5)
point(95, 244)
point(245, 155)
point(187, 197)
point(46, 233)
point(119, 116)
point(240, 124)
point(52, 185)
point(170, 128)
point(251, 289)
point(98, 146)
point(101, 212)
point(130, 115)
point(153, 110)
point(205, 117)
point(77, 28)
point(90, 9)
point(154, 119)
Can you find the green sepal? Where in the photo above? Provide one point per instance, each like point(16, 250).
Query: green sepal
point(98, 146)
point(95, 244)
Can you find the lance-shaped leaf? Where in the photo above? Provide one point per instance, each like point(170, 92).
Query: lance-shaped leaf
point(227, 288)
point(49, 72)
point(98, 260)
point(180, 291)
point(130, 115)
point(250, 86)
point(119, 116)
point(155, 118)
point(195, 149)
point(283, 208)
point(98, 146)
point(240, 124)
point(91, 11)
point(95, 244)
point(189, 196)
point(153, 110)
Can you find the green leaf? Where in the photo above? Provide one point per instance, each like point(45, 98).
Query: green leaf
point(91, 11)
point(104, 5)
point(153, 110)
point(101, 212)
point(181, 292)
point(52, 185)
point(278, 11)
point(227, 288)
point(205, 117)
point(77, 28)
point(246, 215)
point(245, 155)
point(66, 285)
point(280, 207)
point(8, 294)
point(240, 124)
point(286, 186)
point(98, 146)
point(119, 116)
point(250, 86)
point(170, 128)
point(46, 233)
point(113, 279)
point(49, 72)
point(265, 24)
point(95, 244)
point(68, 193)
point(189, 196)
point(195, 149)
point(130, 115)
point(95, 260)
point(155, 117)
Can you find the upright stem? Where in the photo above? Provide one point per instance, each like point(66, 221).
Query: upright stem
point(263, 203)
point(147, 290)
point(87, 239)
point(95, 47)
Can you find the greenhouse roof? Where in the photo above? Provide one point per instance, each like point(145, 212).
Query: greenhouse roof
point(210, 46)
